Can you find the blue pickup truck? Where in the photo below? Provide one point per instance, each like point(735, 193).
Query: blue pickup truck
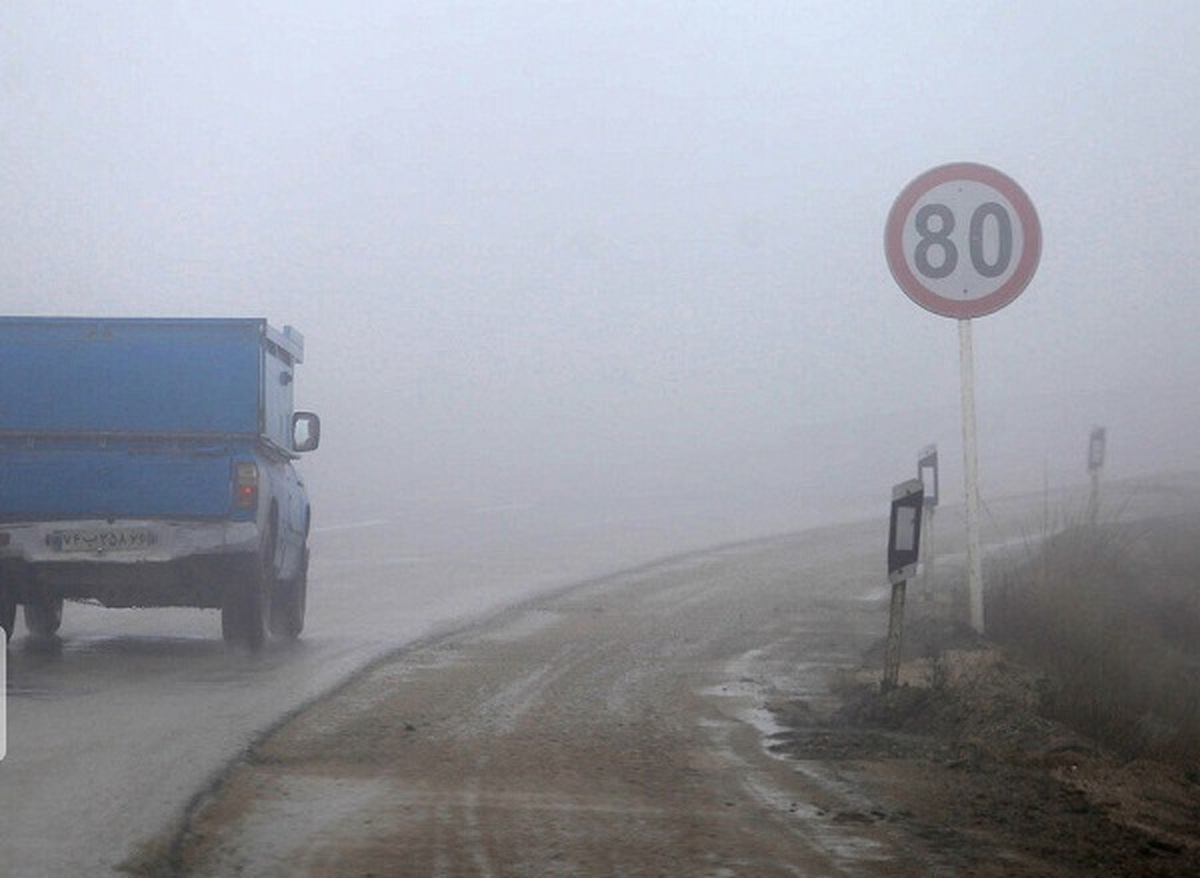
point(150, 463)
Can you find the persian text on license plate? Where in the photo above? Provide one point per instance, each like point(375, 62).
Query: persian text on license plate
point(116, 540)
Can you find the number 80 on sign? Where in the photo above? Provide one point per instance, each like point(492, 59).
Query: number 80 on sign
point(963, 240)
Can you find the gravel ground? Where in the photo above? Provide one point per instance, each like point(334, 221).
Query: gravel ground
point(699, 717)
point(616, 728)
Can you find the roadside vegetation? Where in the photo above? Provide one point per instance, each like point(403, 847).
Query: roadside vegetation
point(1110, 613)
point(1071, 732)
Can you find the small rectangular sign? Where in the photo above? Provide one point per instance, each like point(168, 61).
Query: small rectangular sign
point(904, 534)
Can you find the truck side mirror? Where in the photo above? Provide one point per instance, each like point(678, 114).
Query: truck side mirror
point(306, 431)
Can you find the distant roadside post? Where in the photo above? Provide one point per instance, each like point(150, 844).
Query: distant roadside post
point(904, 550)
point(1096, 443)
point(963, 240)
point(927, 472)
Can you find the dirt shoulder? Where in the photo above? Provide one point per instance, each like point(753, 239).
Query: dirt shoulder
point(693, 717)
point(615, 728)
point(961, 750)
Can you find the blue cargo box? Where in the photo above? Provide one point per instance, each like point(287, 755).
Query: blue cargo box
point(149, 376)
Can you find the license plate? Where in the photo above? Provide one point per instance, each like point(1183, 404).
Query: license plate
point(106, 540)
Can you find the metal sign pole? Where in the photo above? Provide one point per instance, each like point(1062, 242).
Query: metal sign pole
point(930, 580)
point(1093, 507)
point(927, 472)
point(971, 472)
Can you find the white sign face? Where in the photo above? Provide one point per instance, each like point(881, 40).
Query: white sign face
point(905, 537)
point(962, 240)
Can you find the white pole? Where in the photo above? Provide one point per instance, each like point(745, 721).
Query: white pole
point(930, 581)
point(966, 358)
point(1094, 498)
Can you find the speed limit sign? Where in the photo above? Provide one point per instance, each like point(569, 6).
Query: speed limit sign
point(963, 240)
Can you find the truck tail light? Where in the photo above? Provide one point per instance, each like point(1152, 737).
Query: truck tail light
point(245, 486)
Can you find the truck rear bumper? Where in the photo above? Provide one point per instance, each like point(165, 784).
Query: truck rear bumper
point(125, 541)
point(127, 563)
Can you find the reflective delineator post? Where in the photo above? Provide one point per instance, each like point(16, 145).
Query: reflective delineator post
point(927, 472)
point(893, 646)
point(904, 551)
point(1096, 443)
point(929, 579)
point(971, 474)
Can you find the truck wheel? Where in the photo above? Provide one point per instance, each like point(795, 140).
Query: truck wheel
point(43, 616)
point(288, 600)
point(242, 610)
point(246, 593)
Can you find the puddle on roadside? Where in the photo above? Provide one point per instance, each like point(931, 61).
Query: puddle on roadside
point(747, 695)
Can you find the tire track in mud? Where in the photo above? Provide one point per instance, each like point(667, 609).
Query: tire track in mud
point(613, 729)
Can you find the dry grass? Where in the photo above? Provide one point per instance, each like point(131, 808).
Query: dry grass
point(1111, 612)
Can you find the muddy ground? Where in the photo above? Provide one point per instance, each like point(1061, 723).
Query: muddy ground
point(716, 714)
point(968, 763)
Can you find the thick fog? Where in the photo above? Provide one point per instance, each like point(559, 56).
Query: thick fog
point(604, 258)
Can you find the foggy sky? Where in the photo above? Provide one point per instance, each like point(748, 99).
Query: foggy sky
point(601, 249)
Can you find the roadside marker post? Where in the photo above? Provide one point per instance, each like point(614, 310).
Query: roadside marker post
point(1096, 447)
point(963, 240)
point(904, 551)
point(927, 472)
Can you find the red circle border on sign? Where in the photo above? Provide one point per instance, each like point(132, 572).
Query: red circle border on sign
point(1031, 247)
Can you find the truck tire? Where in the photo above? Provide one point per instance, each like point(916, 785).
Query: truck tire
point(242, 611)
point(43, 616)
point(288, 600)
point(243, 602)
